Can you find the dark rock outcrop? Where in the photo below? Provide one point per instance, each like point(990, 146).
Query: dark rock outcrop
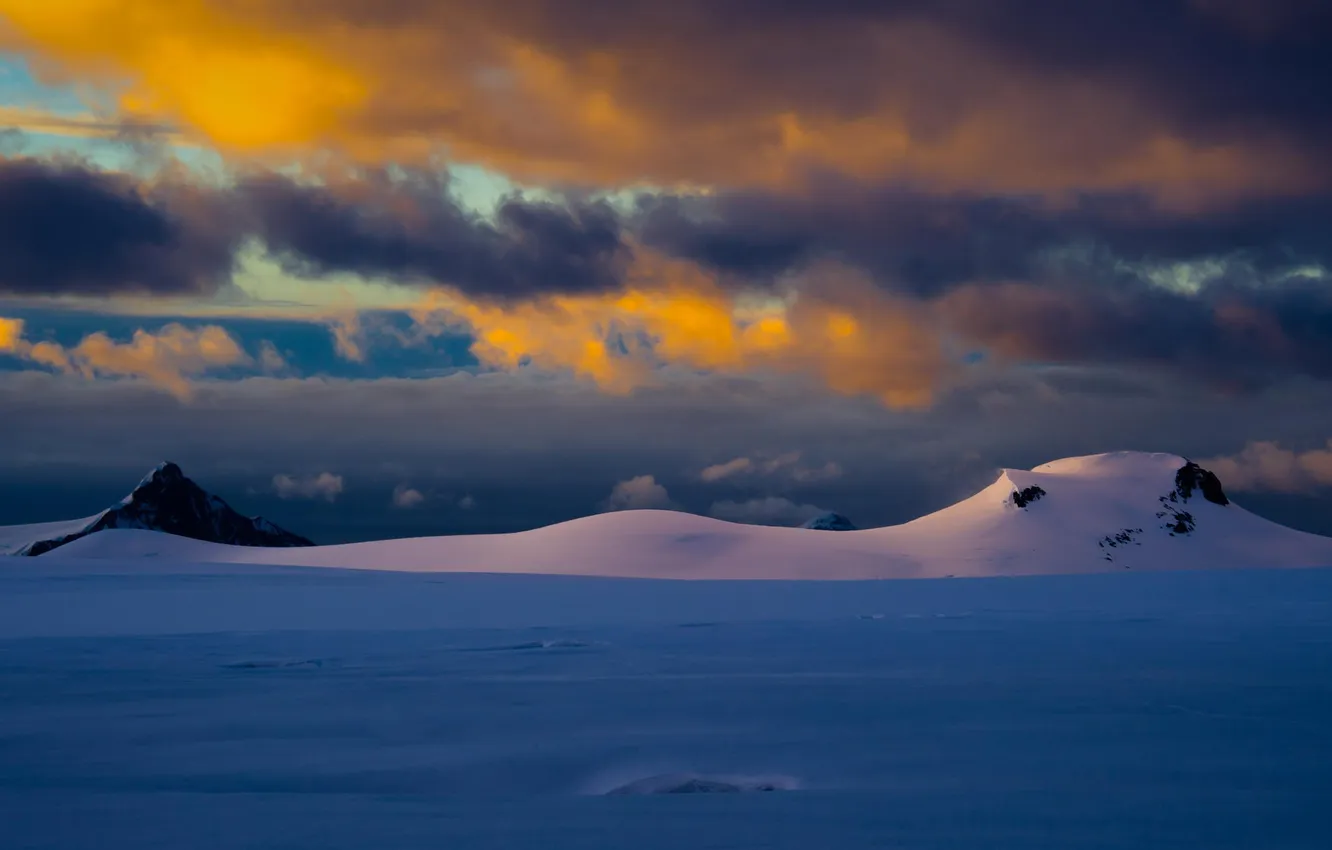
point(1190, 480)
point(1177, 521)
point(167, 501)
point(1192, 477)
point(688, 784)
point(1027, 495)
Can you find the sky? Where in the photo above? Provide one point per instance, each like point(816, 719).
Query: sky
point(379, 268)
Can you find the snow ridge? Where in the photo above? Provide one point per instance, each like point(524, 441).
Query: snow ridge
point(1124, 510)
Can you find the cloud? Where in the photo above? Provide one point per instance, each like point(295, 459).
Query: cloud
point(270, 359)
point(839, 331)
point(73, 229)
point(768, 511)
point(406, 497)
point(11, 336)
point(719, 471)
point(1234, 338)
point(1266, 466)
point(28, 119)
point(66, 229)
point(787, 463)
point(325, 486)
point(167, 358)
point(348, 337)
point(467, 503)
point(1184, 96)
point(827, 472)
point(408, 227)
point(870, 290)
point(922, 243)
point(638, 493)
point(289, 90)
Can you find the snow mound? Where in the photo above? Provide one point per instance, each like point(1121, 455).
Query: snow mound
point(1125, 510)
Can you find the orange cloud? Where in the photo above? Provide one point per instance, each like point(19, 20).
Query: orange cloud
point(168, 358)
point(667, 102)
point(11, 335)
point(852, 339)
point(191, 62)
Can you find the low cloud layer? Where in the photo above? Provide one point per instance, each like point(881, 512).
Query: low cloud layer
point(533, 451)
point(1267, 467)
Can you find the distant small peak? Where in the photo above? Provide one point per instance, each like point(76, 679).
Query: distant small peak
point(830, 522)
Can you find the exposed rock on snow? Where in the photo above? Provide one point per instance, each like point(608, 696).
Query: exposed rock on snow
point(165, 500)
point(1027, 495)
point(1188, 478)
point(1192, 477)
point(684, 783)
point(830, 522)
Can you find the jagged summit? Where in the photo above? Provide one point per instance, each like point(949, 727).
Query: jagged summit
point(165, 500)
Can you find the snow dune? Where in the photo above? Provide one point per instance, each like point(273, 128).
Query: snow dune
point(1096, 513)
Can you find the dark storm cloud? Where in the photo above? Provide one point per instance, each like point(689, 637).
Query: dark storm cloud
point(1209, 68)
point(1233, 339)
point(926, 243)
point(71, 229)
point(1239, 295)
point(412, 230)
point(68, 229)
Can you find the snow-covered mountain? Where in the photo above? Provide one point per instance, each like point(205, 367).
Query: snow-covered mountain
point(164, 501)
point(1127, 510)
point(830, 521)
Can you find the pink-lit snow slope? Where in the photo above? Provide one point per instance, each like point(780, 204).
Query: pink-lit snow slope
point(1096, 513)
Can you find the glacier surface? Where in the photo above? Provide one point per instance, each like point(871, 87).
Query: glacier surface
point(154, 704)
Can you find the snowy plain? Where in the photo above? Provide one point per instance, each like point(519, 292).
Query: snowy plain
point(231, 706)
point(157, 692)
